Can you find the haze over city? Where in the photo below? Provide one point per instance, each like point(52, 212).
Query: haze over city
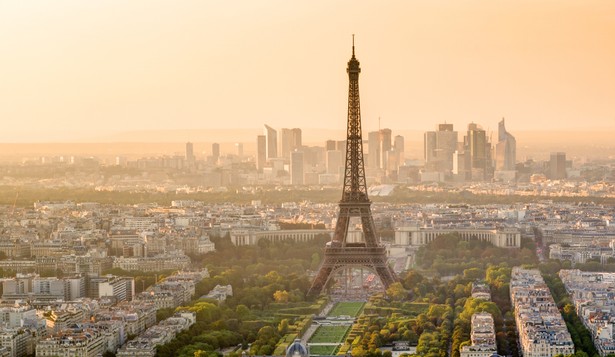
point(77, 71)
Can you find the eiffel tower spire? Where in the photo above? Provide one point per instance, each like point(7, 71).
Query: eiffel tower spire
point(339, 254)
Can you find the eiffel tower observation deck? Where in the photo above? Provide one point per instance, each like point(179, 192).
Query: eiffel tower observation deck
point(339, 254)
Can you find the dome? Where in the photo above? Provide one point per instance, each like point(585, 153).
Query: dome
point(296, 349)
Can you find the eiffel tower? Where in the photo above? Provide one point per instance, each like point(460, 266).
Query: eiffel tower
point(340, 254)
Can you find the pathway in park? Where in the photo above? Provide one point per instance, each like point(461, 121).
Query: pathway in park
point(308, 333)
point(327, 309)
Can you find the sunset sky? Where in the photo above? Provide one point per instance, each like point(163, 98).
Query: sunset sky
point(83, 70)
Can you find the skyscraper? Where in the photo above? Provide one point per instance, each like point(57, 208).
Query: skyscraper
point(341, 146)
point(261, 152)
point(385, 147)
point(334, 161)
point(430, 144)
point(477, 154)
point(271, 136)
point(373, 150)
point(399, 144)
point(330, 145)
point(447, 144)
point(296, 168)
point(297, 141)
point(505, 150)
point(440, 145)
point(239, 147)
point(290, 140)
point(215, 152)
point(557, 166)
point(189, 151)
point(398, 150)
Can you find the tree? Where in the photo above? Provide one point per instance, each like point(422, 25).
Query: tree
point(281, 296)
point(412, 279)
point(283, 327)
point(474, 274)
point(569, 310)
point(273, 277)
point(358, 351)
point(397, 292)
point(242, 311)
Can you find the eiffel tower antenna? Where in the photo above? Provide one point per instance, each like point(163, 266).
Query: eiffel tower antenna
point(339, 254)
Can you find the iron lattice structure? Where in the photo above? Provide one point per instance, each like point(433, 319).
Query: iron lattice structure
point(340, 254)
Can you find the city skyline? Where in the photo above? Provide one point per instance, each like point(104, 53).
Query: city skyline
point(70, 75)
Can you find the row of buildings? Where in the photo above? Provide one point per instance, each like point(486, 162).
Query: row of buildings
point(165, 331)
point(542, 330)
point(175, 290)
point(91, 238)
point(593, 296)
point(584, 252)
point(40, 291)
point(482, 337)
point(482, 329)
point(91, 326)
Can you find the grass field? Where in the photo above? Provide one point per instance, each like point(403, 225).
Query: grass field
point(323, 350)
point(347, 308)
point(330, 334)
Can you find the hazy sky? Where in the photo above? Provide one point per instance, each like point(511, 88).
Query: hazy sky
point(72, 70)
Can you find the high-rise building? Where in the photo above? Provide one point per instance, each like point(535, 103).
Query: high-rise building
point(290, 140)
point(215, 152)
point(373, 150)
point(430, 144)
point(261, 152)
point(285, 143)
point(329, 145)
point(271, 136)
point(189, 151)
point(477, 154)
point(334, 162)
point(297, 139)
point(398, 144)
point(385, 147)
point(296, 168)
point(440, 145)
point(447, 139)
point(314, 158)
point(396, 154)
point(239, 148)
point(505, 150)
point(340, 145)
point(557, 166)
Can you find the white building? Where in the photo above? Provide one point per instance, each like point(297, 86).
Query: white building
point(542, 331)
point(86, 342)
point(251, 237)
point(482, 337)
point(418, 236)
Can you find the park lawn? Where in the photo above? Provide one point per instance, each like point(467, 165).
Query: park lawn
point(323, 350)
point(350, 308)
point(329, 334)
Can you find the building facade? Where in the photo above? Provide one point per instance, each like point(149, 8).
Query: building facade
point(418, 236)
